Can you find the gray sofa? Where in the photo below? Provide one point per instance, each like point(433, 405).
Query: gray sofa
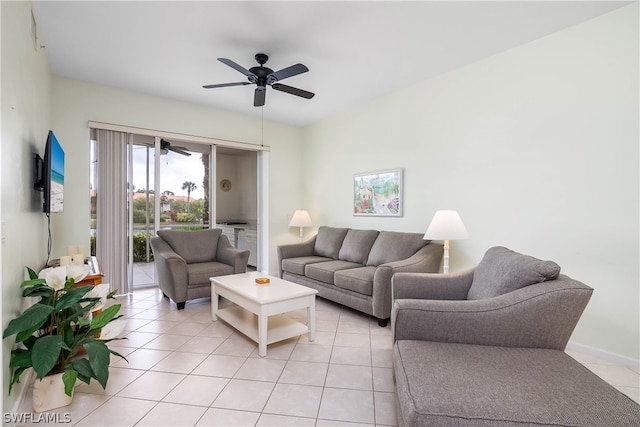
point(185, 260)
point(485, 347)
point(354, 267)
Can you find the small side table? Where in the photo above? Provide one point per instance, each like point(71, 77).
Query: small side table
point(94, 278)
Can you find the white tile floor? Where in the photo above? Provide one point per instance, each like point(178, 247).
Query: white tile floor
point(184, 370)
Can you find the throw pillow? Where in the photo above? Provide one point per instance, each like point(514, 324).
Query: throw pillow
point(393, 246)
point(357, 244)
point(328, 241)
point(502, 270)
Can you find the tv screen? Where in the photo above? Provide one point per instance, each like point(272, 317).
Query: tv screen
point(53, 175)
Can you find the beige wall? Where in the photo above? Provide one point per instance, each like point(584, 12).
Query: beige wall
point(537, 148)
point(26, 118)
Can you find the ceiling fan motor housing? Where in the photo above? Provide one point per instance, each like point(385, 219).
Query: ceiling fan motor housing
point(261, 74)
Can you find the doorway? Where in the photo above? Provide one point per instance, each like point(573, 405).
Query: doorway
point(183, 192)
point(194, 182)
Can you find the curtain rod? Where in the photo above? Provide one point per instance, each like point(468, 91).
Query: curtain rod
point(181, 136)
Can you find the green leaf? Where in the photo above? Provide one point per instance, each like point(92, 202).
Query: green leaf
point(32, 274)
point(34, 316)
point(16, 377)
point(21, 336)
point(116, 353)
point(38, 291)
point(33, 282)
point(99, 359)
point(29, 342)
point(69, 283)
point(20, 358)
point(71, 297)
point(69, 378)
point(83, 368)
point(45, 354)
point(105, 317)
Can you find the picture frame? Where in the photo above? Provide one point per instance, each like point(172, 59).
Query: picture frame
point(378, 193)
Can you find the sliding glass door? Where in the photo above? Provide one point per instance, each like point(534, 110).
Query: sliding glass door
point(182, 190)
point(143, 183)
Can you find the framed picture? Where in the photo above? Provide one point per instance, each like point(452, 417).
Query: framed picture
point(378, 193)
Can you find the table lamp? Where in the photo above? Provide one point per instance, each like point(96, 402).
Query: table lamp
point(446, 225)
point(300, 219)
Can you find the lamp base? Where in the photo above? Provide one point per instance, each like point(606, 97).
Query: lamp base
point(446, 257)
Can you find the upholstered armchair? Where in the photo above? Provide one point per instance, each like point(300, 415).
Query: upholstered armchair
point(185, 260)
point(509, 299)
point(484, 347)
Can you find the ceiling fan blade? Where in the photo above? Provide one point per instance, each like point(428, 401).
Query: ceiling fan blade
point(258, 98)
point(293, 90)
point(291, 71)
point(179, 150)
point(236, 67)
point(226, 85)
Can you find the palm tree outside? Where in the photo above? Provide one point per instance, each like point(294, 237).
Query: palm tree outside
point(189, 186)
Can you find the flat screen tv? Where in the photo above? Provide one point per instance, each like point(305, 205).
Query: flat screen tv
point(53, 176)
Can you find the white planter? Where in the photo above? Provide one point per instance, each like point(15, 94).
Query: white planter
point(48, 393)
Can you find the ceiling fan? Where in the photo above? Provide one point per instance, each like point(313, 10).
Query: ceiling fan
point(263, 76)
point(165, 147)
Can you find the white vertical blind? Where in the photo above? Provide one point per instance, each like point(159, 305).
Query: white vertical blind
point(111, 226)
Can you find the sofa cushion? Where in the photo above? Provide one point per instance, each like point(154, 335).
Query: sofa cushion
point(357, 244)
point(393, 246)
point(297, 265)
point(323, 271)
point(358, 280)
point(502, 270)
point(328, 241)
point(199, 273)
point(193, 246)
point(445, 384)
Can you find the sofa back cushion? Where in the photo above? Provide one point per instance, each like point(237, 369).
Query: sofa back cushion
point(328, 241)
point(502, 270)
point(357, 244)
point(193, 246)
point(393, 246)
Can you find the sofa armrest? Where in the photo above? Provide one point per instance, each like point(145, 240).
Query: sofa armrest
point(427, 259)
point(436, 286)
point(540, 316)
point(171, 270)
point(227, 254)
point(295, 250)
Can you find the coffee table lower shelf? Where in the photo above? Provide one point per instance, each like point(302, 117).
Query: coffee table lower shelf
point(279, 327)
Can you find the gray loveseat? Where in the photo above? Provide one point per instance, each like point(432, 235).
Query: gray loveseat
point(355, 267)
point(485, 347)
point(185, 260)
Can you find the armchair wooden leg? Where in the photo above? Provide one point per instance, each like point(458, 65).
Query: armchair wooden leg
point(180, 305)
point(383, 322)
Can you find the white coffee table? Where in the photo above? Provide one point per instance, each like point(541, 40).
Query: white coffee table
point(259, 309)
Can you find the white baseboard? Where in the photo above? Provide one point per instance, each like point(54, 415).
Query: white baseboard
point(605, 355)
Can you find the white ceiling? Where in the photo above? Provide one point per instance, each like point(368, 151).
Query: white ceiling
point(355, 50)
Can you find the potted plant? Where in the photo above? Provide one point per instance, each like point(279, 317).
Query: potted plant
point(59, 337)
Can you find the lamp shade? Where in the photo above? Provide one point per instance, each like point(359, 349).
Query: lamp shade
point(446, 225)
point(300, 218)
